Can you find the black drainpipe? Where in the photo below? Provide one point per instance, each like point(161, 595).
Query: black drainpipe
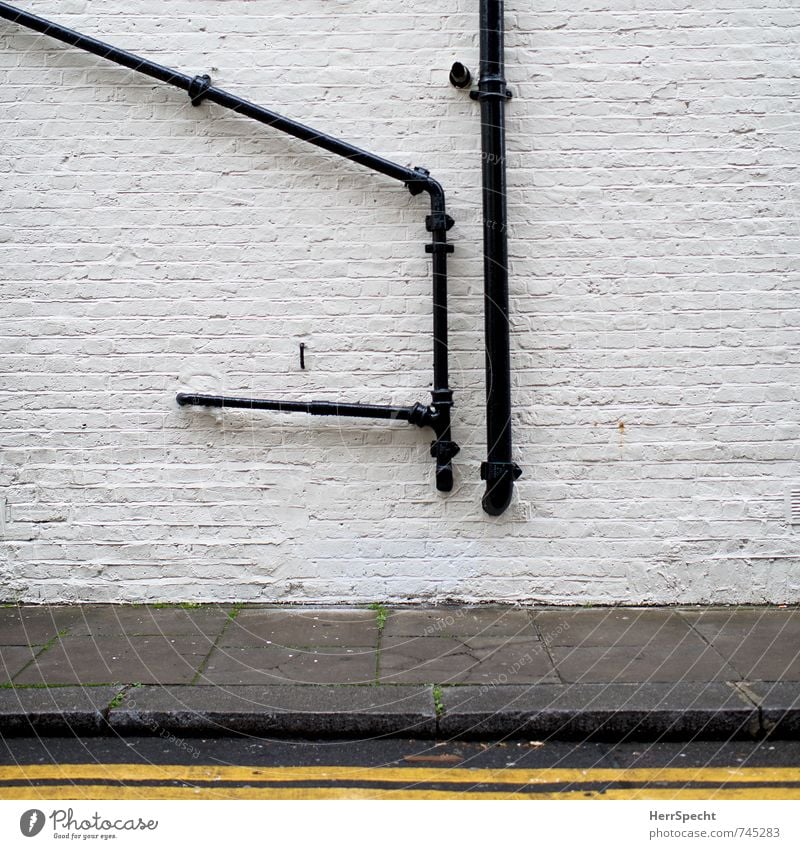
point(435, 415)
point(499, 471)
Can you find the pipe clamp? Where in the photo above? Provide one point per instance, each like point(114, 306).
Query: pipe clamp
point(198, 88)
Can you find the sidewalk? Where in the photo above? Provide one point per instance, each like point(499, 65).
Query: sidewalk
point(479, 672)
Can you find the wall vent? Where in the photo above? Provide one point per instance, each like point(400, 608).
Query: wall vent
point(793, 505)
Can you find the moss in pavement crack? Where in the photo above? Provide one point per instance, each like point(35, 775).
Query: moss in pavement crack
point(381, 612)
point(117, 700)
point(438, 701)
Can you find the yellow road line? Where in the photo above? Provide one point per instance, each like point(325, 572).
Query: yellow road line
point(725, 782)
point(102, 792)
point(405, 775)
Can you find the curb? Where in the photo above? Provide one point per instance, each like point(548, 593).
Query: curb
point(600, 712)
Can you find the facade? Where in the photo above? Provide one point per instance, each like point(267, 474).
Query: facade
point(149, 248)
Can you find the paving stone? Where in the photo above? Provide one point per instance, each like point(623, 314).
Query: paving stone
point(13, 659)
point(762, 658)
point(290, 710)
point(284, 666)
point(34, 625)
point(780, 706)
point(86, 660)
point(761, 644)
point(599, 711)
point(742, 620)
point(688, 660)
point(55, 710)
point(295, 628)
point(481, 621)
point(453, 661)
point(132, 621)
point(611, 627)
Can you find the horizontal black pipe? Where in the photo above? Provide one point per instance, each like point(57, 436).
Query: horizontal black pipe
point(415, 414)
point(215, 95)
point(435, 416)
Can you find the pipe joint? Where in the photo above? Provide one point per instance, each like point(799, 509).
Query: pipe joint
point(198, 88)
point(419, 415)
point(435, 416)
point(418, 185)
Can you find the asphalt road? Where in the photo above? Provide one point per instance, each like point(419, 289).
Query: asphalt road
point(240, 768)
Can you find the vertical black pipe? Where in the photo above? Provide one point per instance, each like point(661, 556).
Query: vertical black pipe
point(499, 471)
point(443, 449)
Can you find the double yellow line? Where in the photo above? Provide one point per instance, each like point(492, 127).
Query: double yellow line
point(148, 781)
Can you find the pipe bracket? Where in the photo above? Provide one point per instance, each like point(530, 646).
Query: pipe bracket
point(198, 88)
point(492, 87)
point(438, 221)
point(491, 472)
point(439, 247)
point(417, 186)
point(444, 450)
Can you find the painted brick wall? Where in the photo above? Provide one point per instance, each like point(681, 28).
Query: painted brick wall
point(149, 247)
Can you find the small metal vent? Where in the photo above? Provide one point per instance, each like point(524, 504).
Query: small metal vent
point(793, 505)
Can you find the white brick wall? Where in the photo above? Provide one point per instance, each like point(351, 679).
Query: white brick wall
point(148, 247)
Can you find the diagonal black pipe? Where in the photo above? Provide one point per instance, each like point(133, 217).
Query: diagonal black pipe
point(436, 415)
point(499, 471)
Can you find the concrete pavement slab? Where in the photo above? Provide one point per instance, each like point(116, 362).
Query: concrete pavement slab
point(484, 621)
point(602, 711)
point(290, 710)
point(149, 620)
point(277, 665)
point(33, 625)
point(87, 660)
point(13, 659)
point(613, 626)
point(742, 620)
point(55, 710)
point(299, 628)
point(479, 660)
point(688, 660)
point(761, 644)
point(779, 702)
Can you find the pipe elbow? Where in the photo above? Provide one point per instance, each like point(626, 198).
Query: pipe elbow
point(499, 479)
point(497, 497)
point(436, 191)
